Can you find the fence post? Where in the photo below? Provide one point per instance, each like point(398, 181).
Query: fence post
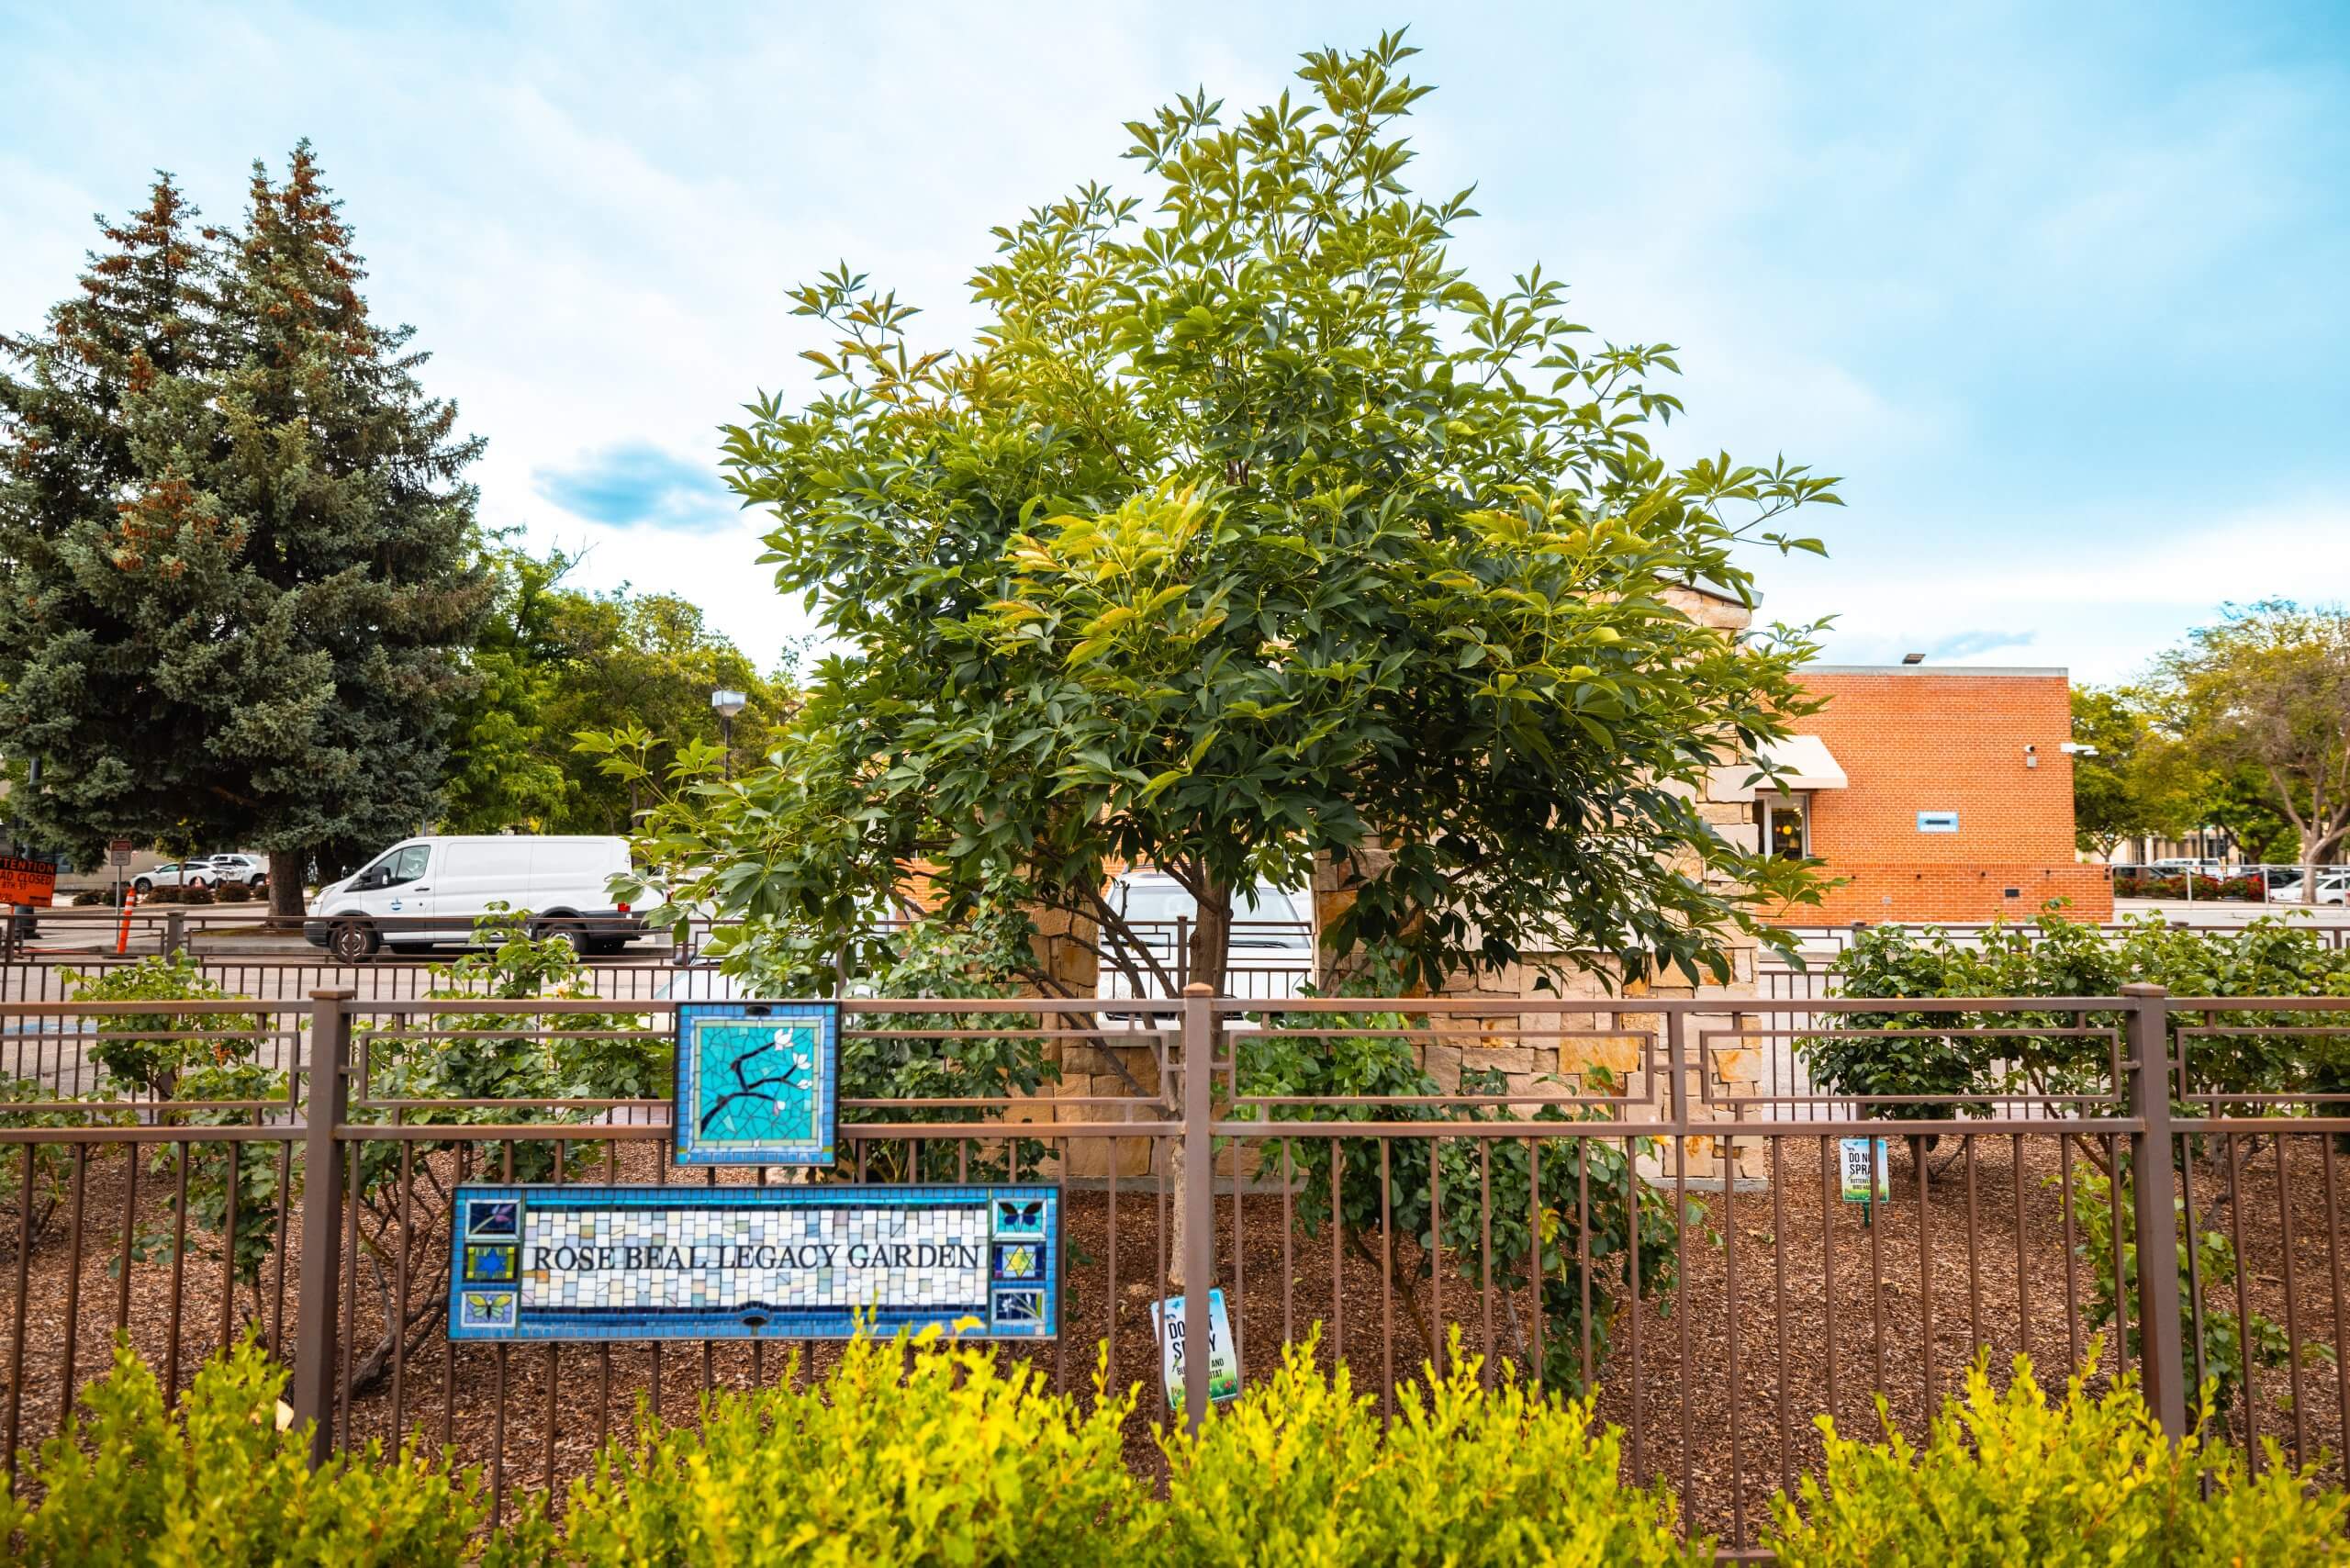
point(2161, 1353)
point(175, 932)
point(324, 1104)
point(1198, 1197)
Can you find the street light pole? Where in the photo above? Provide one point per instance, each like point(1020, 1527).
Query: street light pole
point(726, 704)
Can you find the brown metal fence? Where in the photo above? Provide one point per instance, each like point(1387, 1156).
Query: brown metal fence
point(1575, 1147)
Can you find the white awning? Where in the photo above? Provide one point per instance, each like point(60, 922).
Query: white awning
point(1803, 762)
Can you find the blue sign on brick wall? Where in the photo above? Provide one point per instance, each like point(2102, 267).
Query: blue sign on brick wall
point(1936, 821)
point(755, 1082)
point(618, 1263)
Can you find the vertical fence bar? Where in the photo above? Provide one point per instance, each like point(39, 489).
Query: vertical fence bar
point(2151, 1153)
point(1198, 1198)
point(324, 1104)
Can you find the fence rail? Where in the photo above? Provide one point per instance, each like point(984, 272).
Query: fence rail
point(1591, 1192)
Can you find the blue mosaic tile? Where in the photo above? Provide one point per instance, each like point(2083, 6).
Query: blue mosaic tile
point(490, 1265)
point(1020, 1311)
point(1020, 1216)
point(755, 1083)
point(621, 1263)
point(487, 1309)
point(499, 1218)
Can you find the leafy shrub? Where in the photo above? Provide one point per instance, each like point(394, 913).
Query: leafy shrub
point(971, 956)
point(543, 1063)
point(2011, 1478)
point(196, 895)
point(233, 892)
point(215, 1481)
point(147, 1052)
point(1384, 1062)
point(952, 1456)
point(1298, 1471)
point(2229, 1340)
point(2055, 958)
point(91, 897)
point(162, 895)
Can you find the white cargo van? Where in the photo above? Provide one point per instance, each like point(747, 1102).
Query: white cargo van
point(423, 890)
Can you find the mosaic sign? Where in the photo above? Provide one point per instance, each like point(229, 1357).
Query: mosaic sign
point(575, 1262)
point(755, 1082)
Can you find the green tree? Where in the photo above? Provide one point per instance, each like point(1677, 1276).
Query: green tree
point(2267, 689)
point(1253, 530)
point(2124, 789)
point(553, 662)
point(507, 769)
point(118, 566)
point(238, 543)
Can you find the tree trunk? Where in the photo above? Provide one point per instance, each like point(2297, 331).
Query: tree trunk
point(1211, 950)
point(287, 869)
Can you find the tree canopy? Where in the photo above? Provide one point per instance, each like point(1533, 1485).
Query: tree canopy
point(2266, 691)
point(553, 662)
point(237, 544)
point(1250, 530)
point(2124, 790)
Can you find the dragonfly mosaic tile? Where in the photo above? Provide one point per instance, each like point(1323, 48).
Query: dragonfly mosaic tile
point(755, 1082)
point(616, 1264)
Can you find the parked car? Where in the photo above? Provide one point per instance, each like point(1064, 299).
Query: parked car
point(249, 869)
point(175, 874)
point(423, 890)
point(1272, 934)
point(2332, 886)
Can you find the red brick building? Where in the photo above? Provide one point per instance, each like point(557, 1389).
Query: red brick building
point(1936, 794)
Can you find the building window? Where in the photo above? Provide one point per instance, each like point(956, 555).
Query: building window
point(1786, 827)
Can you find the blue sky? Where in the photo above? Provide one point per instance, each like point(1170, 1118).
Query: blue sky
point(2060, 290)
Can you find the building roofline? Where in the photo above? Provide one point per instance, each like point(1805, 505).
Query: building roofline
point(2056, 672)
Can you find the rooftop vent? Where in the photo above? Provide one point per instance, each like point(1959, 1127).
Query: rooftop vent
point(1913, 658)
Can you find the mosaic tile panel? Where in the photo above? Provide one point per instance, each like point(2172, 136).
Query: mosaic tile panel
point(755, 1082)
point(621, 1263)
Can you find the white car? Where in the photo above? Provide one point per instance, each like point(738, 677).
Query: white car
point(2332, 886)
point(175, 874)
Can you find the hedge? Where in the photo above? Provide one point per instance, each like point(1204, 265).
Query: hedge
point(2011, 1478)
point(923, 1451)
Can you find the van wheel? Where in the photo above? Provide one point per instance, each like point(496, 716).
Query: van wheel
point(353, 941)
point(545, 930)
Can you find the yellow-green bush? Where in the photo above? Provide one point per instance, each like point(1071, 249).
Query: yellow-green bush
point(1298, 1471)
point(2013, 1478)
point(216, 1485)
point(950, 1457)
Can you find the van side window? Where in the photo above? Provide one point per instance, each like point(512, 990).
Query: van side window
point(408, 865)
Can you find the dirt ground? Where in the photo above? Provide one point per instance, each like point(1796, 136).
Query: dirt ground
point(1788, 1307)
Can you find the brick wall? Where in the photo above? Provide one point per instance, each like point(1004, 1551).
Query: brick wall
point(1928, 740)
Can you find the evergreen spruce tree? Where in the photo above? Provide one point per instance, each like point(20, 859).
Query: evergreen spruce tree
point(118, 562)
point(363, 533)
point(288, 578)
